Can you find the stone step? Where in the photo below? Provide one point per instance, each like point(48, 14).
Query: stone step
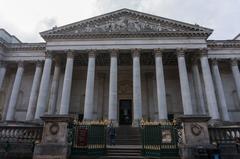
point(130, 143)
point(124, 150)
point(124, 154)
point(125, 157)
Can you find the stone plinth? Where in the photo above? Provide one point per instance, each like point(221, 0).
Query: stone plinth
point(54, 144)
point(195, 134)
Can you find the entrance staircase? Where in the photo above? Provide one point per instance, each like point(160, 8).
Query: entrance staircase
point(128, 143)
point(128, 135)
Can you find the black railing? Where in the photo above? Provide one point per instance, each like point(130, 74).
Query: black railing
point(88, 139)
point(224, 134)
point(161, 140)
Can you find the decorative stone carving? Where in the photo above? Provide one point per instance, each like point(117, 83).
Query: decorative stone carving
point(234, 62)
point(125, 24)
point(180, 52)
point(196, 129)
point(54, 128)
point(125, 87)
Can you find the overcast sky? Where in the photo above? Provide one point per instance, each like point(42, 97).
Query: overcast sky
point(26, 18)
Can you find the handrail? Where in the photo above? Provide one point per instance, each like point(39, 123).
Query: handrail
point(224, 134)
point(20, 133)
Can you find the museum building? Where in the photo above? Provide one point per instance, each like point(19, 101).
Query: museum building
point(122, 66)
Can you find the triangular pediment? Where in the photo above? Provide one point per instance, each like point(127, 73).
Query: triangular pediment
point(125, 22)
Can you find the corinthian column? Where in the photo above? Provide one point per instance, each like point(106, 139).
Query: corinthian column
point(33, 96)
point(220, 91)
point(88, 105)
point(185, 90)
point(67, 83)
point(54, 87)
point(236, 76)
point(209, 87)
point(137, 94)
point(161, 93)
point(112, 114)
point(15, 91)
point(44, 87)
point(2, 72)
point(198, 87)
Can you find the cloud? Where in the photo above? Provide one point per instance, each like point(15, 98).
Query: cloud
point(26, 18)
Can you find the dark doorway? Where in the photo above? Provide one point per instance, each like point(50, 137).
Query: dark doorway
point(125, 112)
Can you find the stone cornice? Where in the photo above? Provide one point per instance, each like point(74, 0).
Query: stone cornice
point(223, 43)
point(126, 35)
point(26, 46)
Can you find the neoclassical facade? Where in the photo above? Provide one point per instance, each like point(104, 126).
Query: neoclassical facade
point(122, 66)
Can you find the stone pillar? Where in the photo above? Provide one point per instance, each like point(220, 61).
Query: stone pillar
point(209, 88)
point(194, 135)
point(113, 103)
point(54, 87)
point(198, 87)
point(236, 76)
point(2, 72)
point(15, 90)
point(88, 105)
point(219, 90)
point(44, 88)
point(161, 93)
point(185, 90)
point(54, 143)
point(34, 91)
point(137, 93)
point(67, 83)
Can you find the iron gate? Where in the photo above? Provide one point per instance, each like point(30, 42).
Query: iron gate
point(161, 140)
point(88, 139)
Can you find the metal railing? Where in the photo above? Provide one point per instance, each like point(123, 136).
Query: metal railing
point(161, 139)
point(88, 139)
point(224, 134)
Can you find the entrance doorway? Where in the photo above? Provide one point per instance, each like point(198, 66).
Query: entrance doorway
point(125, 112)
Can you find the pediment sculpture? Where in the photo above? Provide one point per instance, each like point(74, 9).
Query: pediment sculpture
point(125, 24)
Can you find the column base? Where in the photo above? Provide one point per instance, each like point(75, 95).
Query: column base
point(136, 123)
point(114, 123)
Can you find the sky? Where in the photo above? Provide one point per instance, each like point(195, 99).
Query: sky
point(26, 18)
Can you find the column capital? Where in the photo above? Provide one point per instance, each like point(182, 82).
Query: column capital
point(70, 54)
point(234, 62)
point(20, 64)
point(214, 61)
point(92, 53)
point(203, 52)
point(38, 63)
point(158, 52)
point(135, 52)
point(3, 64)
point(48, 54)
point(180, 52)
point(114, 52)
